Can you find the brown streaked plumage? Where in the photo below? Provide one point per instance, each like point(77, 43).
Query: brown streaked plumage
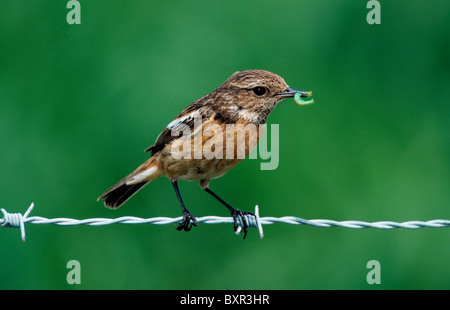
point(245, 99)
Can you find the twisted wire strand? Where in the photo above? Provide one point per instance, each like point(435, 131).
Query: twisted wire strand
point(17, 220)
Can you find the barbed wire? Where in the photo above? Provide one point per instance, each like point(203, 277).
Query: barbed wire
point(17, 220)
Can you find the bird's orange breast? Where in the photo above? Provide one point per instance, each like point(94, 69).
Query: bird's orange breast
point(209, 151)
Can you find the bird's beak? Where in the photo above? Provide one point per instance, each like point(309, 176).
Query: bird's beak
point(290, 92)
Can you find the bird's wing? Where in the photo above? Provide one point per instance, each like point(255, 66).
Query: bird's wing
point(184, 120)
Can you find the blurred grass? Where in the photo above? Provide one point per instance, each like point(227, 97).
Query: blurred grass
point(79, 104)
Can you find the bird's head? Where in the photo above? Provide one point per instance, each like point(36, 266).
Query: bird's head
point(254, 89)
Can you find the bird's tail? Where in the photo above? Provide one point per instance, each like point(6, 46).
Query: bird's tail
point(120, 192)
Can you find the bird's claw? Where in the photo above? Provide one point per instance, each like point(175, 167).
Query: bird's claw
point(188, 220)
point(238, 214)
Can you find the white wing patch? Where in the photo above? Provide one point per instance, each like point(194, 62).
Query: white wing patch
point(182, 119)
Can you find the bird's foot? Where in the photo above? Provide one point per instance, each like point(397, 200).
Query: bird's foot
point(188, 220)
point(238, 218)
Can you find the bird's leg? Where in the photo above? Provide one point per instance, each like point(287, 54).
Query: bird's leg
point(235, 213)
point(188, 217)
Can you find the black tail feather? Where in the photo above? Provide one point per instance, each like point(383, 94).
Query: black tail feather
point(115, 197)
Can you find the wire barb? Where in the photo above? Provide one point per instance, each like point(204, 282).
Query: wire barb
point(17, 220)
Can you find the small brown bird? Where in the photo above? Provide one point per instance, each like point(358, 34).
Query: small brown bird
point(245, 99)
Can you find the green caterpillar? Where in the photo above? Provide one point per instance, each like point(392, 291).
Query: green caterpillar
point(302, 101)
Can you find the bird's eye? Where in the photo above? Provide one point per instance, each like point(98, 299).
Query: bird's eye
point(259, 91)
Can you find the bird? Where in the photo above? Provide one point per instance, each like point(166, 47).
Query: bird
point(243, 101)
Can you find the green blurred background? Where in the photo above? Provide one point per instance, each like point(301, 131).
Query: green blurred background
point(80, 103)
